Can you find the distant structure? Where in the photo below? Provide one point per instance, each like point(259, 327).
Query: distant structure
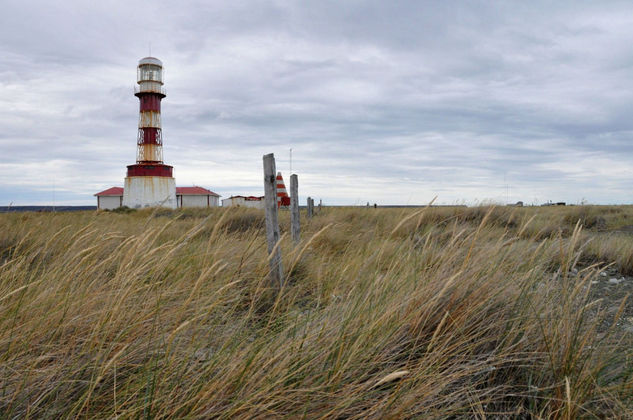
point(257, 202)
point(244, 201)
point(283, 199)
point(112, 198)
point(149, 182)
point(196, 197)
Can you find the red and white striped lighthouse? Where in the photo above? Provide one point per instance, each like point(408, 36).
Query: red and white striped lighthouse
point(283, 199)
point(149, 182)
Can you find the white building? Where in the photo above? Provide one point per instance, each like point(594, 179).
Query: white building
point(242, 201)
point(149, 191)
point(196, 197)
point(112, 198)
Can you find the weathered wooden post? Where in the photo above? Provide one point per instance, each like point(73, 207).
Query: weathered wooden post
point(272, 223)
point(309, 207)
point(320, 204)
point(295, 227)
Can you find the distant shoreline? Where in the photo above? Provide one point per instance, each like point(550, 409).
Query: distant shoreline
point(51, 209)
point(44, 209)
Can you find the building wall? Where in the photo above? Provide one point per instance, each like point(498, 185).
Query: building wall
point(240, 201)
point(149, 191)
point(109, 202)
point(197, 200)
point(193, 200)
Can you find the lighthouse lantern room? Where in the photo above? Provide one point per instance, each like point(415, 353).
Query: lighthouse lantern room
point(149, 182)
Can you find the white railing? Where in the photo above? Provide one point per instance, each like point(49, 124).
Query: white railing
point(150, 88)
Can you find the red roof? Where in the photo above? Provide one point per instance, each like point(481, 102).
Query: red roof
point(114, 191)
point(194, 191)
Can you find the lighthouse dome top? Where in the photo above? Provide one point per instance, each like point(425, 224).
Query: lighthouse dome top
point(150, 60)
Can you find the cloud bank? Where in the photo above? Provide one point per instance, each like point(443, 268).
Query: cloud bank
point(387, 102)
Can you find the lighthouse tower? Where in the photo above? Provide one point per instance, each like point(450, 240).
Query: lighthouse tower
point(283, 199)
point(149, 182)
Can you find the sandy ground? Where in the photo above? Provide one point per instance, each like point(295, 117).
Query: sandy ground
point(611, 288)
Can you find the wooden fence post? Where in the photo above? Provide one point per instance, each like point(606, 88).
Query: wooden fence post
point(272, 223)
point(295, 226)
point(309, 207)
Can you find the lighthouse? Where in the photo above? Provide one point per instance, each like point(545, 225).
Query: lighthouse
point(149, 182)
point(283, 199)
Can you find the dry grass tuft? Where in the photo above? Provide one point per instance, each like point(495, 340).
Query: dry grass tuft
point(388, 313)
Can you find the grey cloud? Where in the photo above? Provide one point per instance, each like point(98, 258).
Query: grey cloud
point(393, 101)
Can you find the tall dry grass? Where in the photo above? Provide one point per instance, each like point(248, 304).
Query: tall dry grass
point(385, 314)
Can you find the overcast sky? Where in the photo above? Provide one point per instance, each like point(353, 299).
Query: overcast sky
point(392, 102)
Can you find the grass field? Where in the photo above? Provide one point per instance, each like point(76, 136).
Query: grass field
point(387, 313)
